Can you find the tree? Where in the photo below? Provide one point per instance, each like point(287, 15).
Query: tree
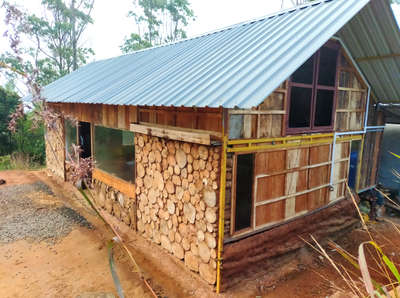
point(157, 21)
point(58, 33)
point(9, 100)
point(51, 41)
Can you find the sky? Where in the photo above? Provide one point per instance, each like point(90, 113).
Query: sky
point(111, 23)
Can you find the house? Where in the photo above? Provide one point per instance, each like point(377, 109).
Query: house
point(225, 148)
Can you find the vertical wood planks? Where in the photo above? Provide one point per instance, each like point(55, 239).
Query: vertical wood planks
point(290, 182)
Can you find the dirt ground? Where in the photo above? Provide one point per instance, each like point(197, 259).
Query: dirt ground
point(76, 262)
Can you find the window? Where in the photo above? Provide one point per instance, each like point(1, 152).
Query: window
point(243, 191)
point(115, 152)
point(70, 135)
point(312, 92)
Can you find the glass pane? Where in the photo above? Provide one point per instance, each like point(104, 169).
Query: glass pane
point(244, 182)
point(323, 108)
point(300, 105)
point(327, 67)
point(115, 152)
point(304, 74)
point(70, 135)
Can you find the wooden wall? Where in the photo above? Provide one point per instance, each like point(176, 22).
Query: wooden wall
point(351, 98)
point(340, 169)
point(263, 121)
point(121, 116)
point(291, 182)
point(370, 159)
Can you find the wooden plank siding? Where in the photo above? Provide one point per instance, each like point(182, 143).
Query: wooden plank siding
point(264, 121)
point(121, 117)
point(290, 182)
point(370, 159)
point(351, 97)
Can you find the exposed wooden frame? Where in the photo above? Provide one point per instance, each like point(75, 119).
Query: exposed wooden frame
point(175, 133)
point(256, 112)
point(119, 184)
point(370, 58)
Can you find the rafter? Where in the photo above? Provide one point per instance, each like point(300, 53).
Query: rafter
point(361, 59)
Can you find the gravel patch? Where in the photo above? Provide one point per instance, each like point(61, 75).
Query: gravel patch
point(21, 217)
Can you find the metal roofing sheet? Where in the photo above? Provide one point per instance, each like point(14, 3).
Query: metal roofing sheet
point(373, 38)
point(234, 67)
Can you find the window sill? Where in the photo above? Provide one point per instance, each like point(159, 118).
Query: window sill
point(298, 131)
point(127, 188)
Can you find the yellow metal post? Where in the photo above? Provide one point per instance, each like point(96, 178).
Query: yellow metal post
point(221, 213)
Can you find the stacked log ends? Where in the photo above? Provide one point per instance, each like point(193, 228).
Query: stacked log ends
point(177, 190)
point(115, 203)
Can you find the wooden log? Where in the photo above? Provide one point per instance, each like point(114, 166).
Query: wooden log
point(181, 159)
point(173, 133)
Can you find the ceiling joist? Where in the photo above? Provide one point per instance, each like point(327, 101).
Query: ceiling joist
point(361, 59)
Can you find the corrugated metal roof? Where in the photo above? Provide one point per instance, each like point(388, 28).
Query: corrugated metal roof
point(234, 67)
point(373, 38)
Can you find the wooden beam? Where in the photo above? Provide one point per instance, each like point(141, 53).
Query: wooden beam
point(370, 58)
point(123, 186)
point(256, 112)
point(174, 133)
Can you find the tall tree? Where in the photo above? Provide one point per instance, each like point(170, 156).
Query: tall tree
point(52, 40)
point(9, 101)
point(59, 32)
point(157, 21)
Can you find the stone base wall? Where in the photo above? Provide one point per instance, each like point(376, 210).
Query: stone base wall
point(115, 203)
point(177, 191)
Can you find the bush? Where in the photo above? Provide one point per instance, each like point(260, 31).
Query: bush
point(5, 162)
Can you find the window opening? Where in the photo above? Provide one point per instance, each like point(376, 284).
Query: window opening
point(312, 92)
point(300, 107)
point(115, 152)
point(244, 190)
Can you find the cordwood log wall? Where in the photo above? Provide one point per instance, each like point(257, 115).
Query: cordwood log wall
point(177, 191)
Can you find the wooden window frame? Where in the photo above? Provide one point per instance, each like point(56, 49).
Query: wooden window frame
point(315, 87)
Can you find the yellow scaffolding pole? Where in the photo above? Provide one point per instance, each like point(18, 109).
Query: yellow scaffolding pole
point(221, 213)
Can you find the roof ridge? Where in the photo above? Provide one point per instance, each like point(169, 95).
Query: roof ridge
point(271, 15)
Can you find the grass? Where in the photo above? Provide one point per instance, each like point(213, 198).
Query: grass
point(18, 161)
point(370, 274)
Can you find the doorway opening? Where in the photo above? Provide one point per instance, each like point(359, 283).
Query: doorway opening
point(354, 160)
point(85, 139)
